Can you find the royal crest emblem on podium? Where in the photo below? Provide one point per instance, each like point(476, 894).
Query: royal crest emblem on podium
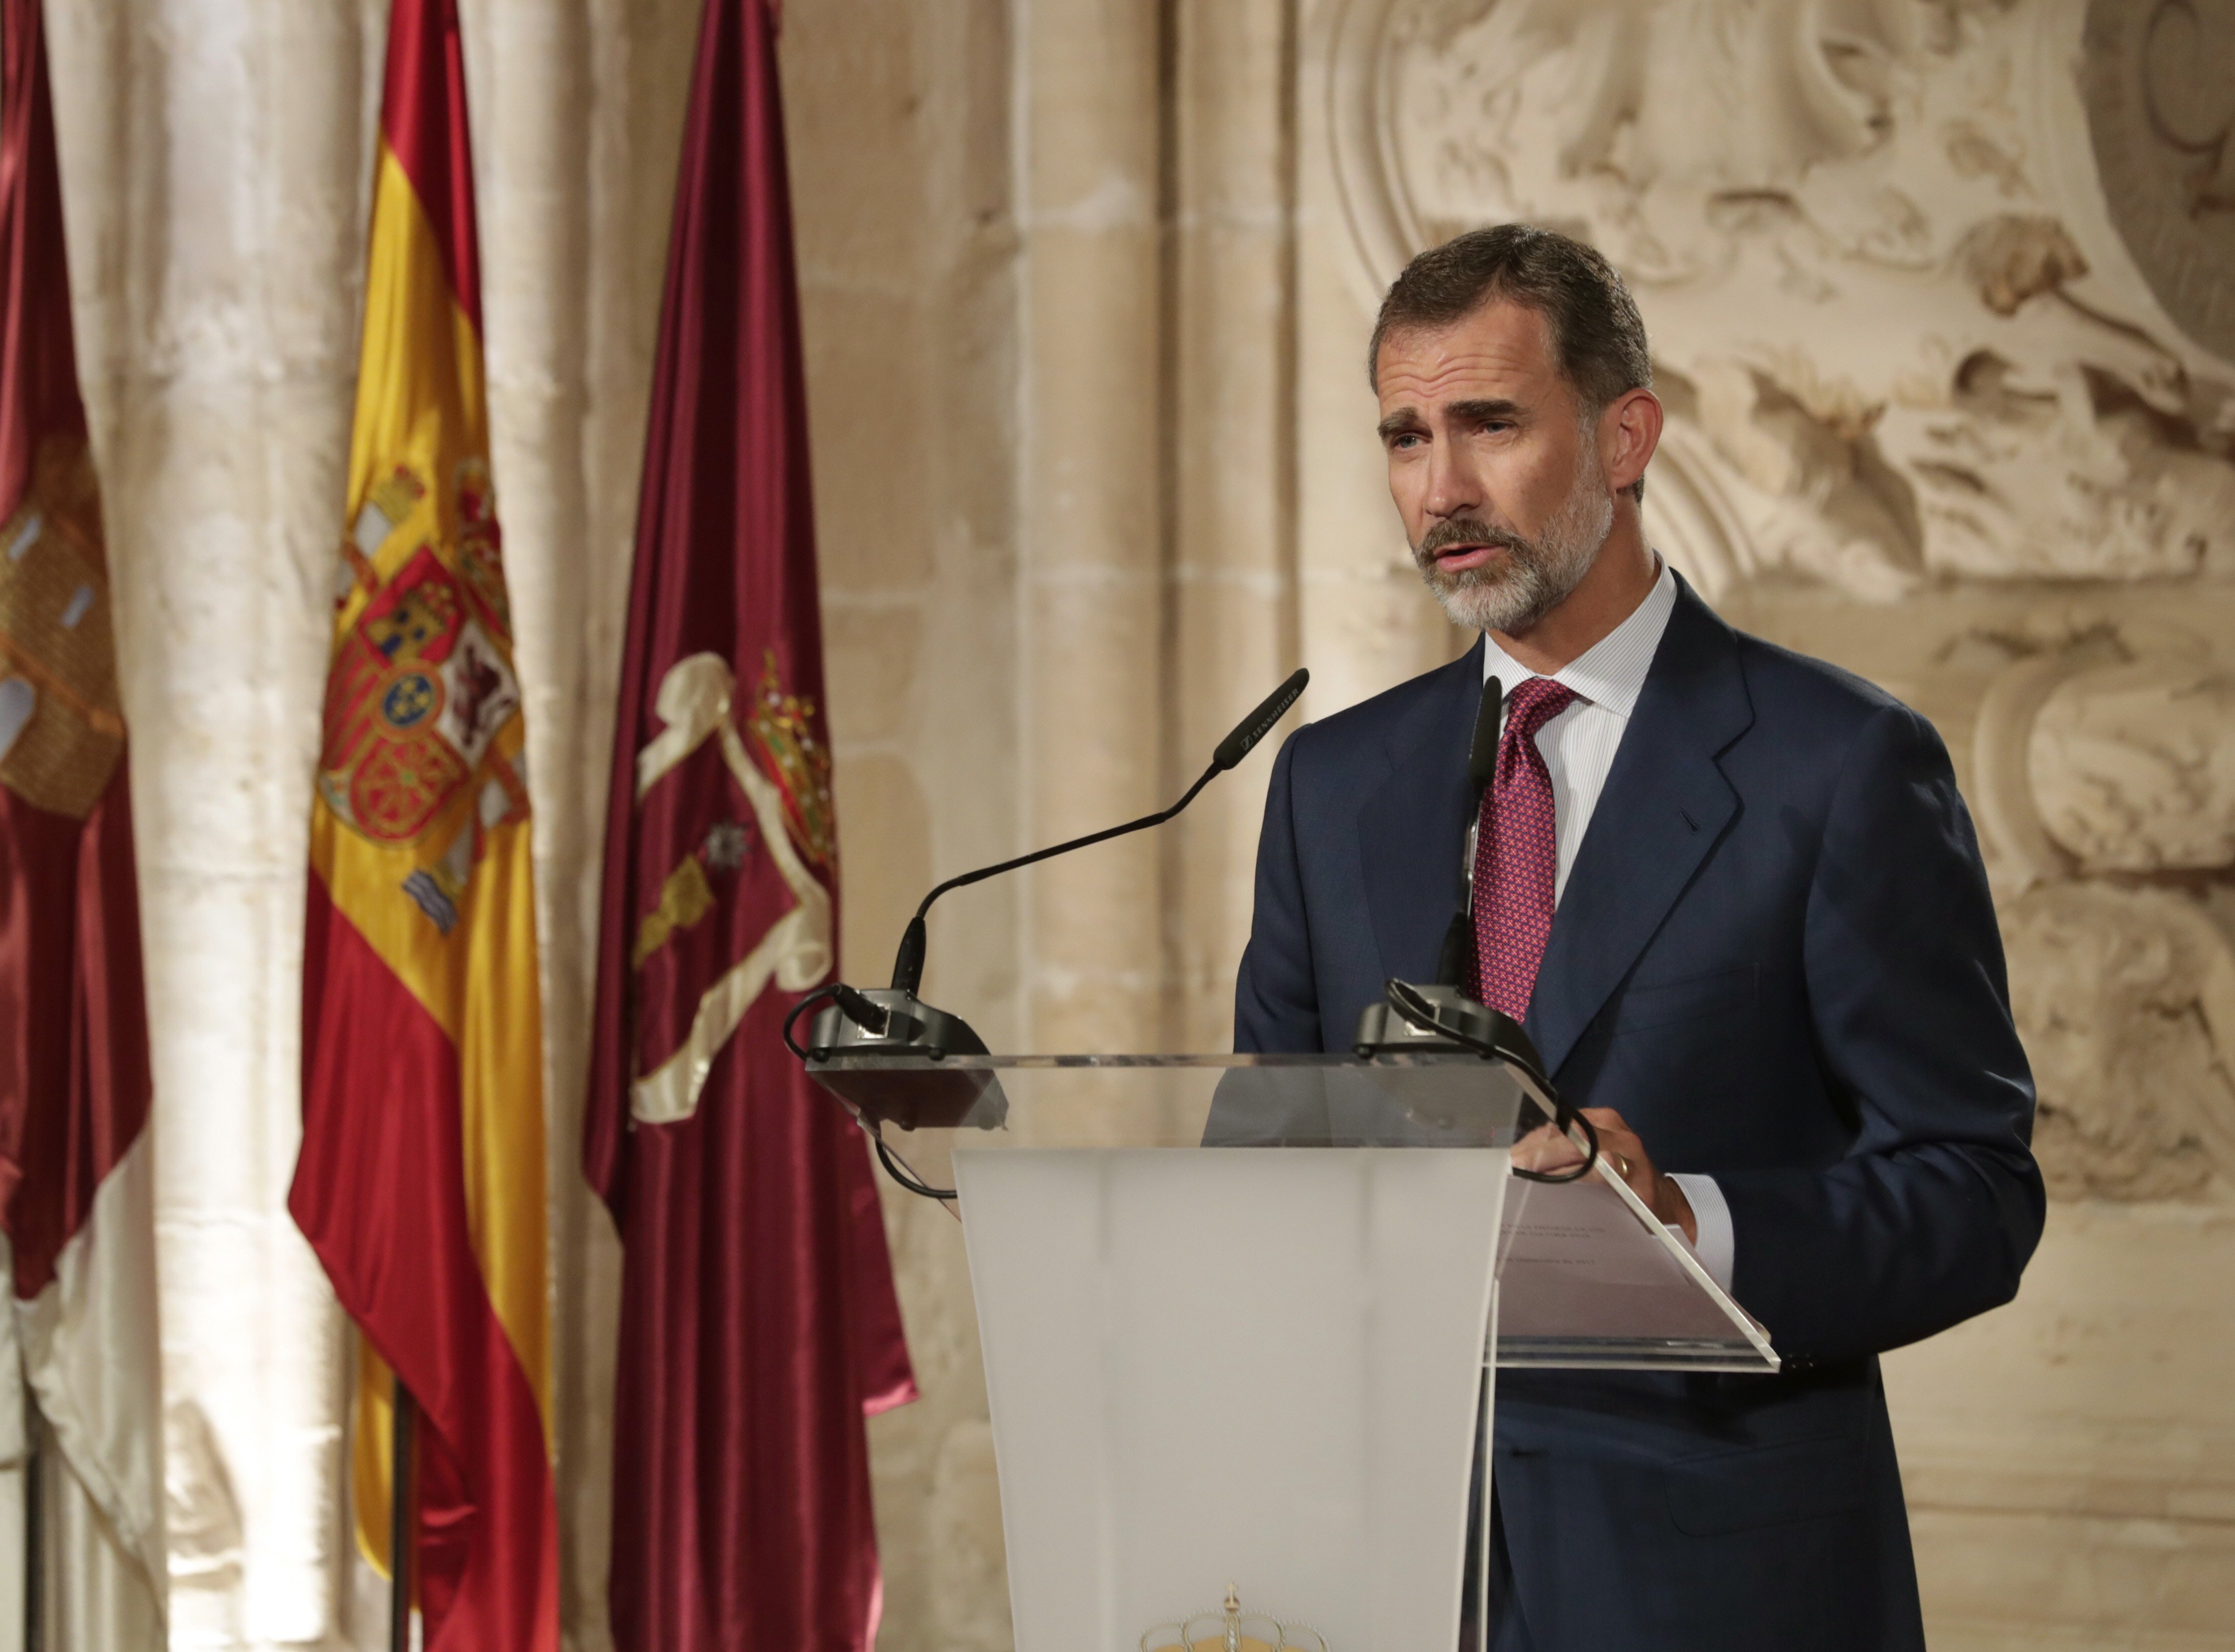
point(1232, 1629)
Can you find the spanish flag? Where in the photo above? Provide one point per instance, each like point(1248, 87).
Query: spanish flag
point(421, 1183)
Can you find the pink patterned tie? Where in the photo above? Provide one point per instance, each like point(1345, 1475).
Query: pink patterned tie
point(1515, 854)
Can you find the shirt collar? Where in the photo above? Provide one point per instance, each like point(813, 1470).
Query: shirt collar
point(1611, 671)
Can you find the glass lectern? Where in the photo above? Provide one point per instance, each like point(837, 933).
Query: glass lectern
point(1236, 1310)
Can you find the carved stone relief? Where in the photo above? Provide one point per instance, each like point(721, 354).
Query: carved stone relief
point(2106, 750)
point(1874, 324)
point(2107, 745)
point(1911, 347)
point(2125, 1000)
point(2160, 90)
point(2134, 766)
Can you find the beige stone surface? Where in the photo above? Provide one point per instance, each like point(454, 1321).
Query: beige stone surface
point(2069, 1462)
point(218, 287)
point(902, 163)
point(2135, 765)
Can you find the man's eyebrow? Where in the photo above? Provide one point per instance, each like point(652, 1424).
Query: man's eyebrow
point(1410, 418)
point(1475, 412)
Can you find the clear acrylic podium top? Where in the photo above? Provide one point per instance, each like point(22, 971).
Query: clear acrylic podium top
point(1587, 1278)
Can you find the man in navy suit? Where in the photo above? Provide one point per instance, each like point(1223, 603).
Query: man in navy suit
point(1735, 896)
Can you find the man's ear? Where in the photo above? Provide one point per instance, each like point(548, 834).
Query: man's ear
point(1629, 430)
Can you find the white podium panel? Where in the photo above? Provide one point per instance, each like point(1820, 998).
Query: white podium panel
point(1256, 1366)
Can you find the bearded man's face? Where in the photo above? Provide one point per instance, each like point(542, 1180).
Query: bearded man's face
point(1523, 579)
point(1494, 466)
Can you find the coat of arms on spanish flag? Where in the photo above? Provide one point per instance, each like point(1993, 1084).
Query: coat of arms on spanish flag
point(421, 1184)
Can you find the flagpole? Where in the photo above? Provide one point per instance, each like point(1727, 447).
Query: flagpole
point(401, 1526)
point(35, 1558)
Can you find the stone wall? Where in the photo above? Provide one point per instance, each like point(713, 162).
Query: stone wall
point(899, 118)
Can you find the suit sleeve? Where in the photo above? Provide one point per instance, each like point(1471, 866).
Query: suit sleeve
point(1275, 1001)
point(1937, 1207)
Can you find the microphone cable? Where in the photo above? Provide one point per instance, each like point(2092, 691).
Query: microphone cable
point(894, 1167)
point(1406, 999)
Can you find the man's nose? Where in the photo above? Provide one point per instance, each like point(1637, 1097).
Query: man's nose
point(1453, 489)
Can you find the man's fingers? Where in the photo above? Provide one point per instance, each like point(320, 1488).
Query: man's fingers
point(1544, 1148)
point(1620, 1146)
point(1625, 1154)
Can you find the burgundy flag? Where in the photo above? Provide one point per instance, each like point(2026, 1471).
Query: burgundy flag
point(77, 1181)
point(759, 1322)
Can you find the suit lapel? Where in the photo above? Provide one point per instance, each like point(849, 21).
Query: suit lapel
point(1411, 827)
point(1665, 805)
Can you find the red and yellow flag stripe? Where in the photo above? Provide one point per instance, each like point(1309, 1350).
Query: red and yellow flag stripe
point(421, 1184)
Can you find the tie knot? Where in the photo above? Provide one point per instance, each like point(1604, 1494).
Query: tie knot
point(1533, 704)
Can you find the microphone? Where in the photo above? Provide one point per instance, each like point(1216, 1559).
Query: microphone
point(1482, 768)
point(907, 962)
point(1414, 1020)
point(1482, 756)
point(894, 1022)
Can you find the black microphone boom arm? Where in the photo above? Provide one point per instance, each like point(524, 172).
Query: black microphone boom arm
point(907, 961)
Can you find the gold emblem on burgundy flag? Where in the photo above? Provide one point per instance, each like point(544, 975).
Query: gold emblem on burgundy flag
point(783, 726)
point(755, 1277)
point(781, 773)
point(62, 725)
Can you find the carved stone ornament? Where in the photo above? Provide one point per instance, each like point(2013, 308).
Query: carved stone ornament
point(2160, 89)
point(1941, 294)
point(2106, 746)
point(2125, 1001)
point(2134, 766)
point(1863, 259)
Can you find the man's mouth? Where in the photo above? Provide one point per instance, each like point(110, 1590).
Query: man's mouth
point(1455, 559)
point(1458, 547)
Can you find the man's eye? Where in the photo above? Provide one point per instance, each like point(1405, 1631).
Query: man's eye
point(1403, 439)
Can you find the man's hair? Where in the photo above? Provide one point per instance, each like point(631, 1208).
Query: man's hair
point(1596, 331)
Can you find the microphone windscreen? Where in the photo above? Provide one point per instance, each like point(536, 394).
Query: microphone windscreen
point(1482, 757)
point(1259, 723)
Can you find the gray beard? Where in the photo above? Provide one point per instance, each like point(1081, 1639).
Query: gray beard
point(1534, 577)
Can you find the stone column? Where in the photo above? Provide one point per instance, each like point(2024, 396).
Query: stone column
point(1230, 436)
point(532, 77)
point(898, 117)
point(1090, 611)
point(1366, 622)
point(213, 158)
point(635, 83)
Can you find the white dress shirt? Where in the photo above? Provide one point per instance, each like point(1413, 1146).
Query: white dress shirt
point(1579, 747)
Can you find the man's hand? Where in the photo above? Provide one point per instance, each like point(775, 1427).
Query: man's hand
point(1543, 1149)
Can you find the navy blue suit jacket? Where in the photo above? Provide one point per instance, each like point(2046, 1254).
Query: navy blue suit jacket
point(1776, 956)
